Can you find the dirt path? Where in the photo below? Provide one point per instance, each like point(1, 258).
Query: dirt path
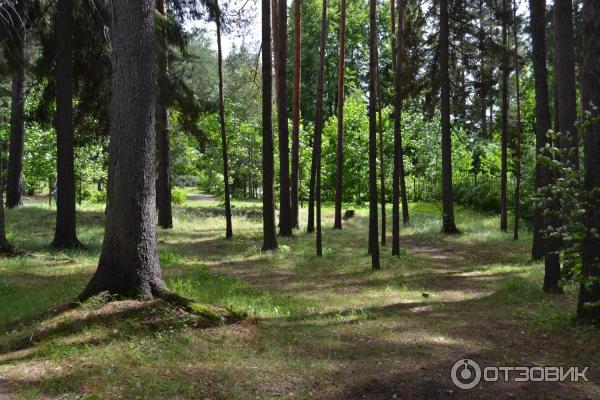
point(200, 197)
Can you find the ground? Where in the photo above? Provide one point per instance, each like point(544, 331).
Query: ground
point(326, 328)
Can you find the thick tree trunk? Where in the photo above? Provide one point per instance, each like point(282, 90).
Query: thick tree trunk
point(14, 174)
point(519, 133)
point(397, 59)
point(319, 120)
point(285, 212)
point(565, 78)
point(542, 126)
point(542, 115)
point(163, 142)
point(373, 219)
point(269, 236)
point(504, 133)
point(229, 228)
point(448, 226)
point(65, 234)
point(589, 297)
point(5, 246)
point(129, 263)
point(295, 173)
point(337, 224)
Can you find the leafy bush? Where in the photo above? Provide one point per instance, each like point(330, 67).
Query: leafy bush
point(98, 197)
point(178, 195)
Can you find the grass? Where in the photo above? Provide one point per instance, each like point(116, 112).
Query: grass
point(319, 327)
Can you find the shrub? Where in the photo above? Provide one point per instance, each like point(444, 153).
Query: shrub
point(178, 195)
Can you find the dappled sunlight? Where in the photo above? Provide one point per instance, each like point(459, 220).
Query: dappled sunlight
point(313, 321)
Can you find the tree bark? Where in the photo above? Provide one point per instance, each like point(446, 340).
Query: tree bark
point(565, 79)
point(519, 133)
point(229, 228)
point(163, 142)
point(319, 121)
point(65, 234)
point(285, 213)
point(269, 236)
point(295, 173)
point(129, 264)
point(542, 115)
point(504, 133)
point(6, 247)
point(483, 93)
point(381, 154)
point(14, 182)
point(448, 225)
point(588, 308)
point(337, 224)
point(373, 219)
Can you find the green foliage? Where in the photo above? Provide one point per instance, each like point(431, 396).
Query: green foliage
point(178, 195)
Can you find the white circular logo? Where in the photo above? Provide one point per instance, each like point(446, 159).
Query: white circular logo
point(466, 374)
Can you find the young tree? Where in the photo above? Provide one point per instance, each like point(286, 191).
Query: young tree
point(228, 229)
point(589, 294)
point(65, 234)
point(14, 184)
point(129, 263)
point(504, 134)
point(381, 153)
point(163, 141)
point(285, 212)
point(319, 120)
point(295, 173)
point(337, 224)
point(373, 231)
point(519, 132)
point(269, 236)
point(448, 226)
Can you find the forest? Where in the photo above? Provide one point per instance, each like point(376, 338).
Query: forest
point(328, 199)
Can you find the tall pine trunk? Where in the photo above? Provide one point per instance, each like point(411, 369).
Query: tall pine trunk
point(373, 219)
point(319, 120)
point(542, 126)
point(269, 236)
point(65, 234)
point(542, 116)
point(295, 172)
point(163, 145)
point(483, 92)
point(337, 224)
point(565, 79)
point(285, 212)
point(381, 154)
point(229, 228)
point(504, 134)
point(448, 225)
point(399, 176)
point(14, 174)
point(129, 264)
point(589, 296)
point(519, 133)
